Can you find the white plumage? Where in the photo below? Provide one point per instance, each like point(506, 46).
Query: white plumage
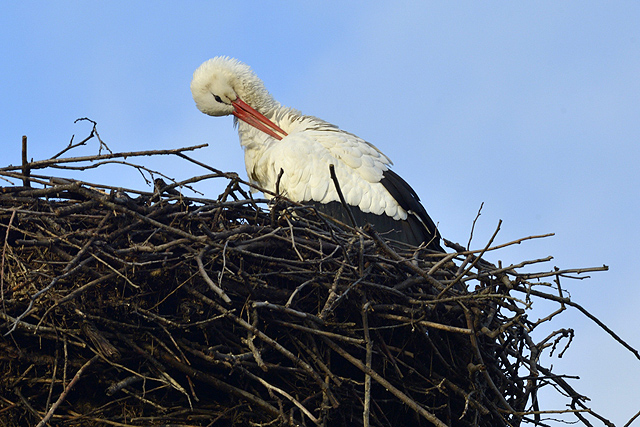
point(277, 138)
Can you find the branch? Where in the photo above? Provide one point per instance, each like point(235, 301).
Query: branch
point(66, 391)
point(41, 164)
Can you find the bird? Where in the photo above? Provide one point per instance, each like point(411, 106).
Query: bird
point(292, 154)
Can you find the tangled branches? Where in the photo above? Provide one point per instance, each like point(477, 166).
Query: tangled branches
point(161, 309)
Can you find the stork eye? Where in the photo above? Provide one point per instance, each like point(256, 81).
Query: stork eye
point(217, 98)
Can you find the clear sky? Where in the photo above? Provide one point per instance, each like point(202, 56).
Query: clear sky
point(530, 107)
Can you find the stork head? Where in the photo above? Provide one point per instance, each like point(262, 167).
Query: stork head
point(223, 86)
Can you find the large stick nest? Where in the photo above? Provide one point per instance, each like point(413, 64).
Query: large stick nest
point(131, 309)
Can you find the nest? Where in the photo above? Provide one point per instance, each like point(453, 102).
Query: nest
point(130, 308)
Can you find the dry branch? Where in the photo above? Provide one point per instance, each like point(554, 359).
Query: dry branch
point(194, 311)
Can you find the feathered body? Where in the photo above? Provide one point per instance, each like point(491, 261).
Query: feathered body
point(303, 147)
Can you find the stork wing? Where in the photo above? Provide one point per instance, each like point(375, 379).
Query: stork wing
point(402, 192)
point(362, 172)
point(305, 157)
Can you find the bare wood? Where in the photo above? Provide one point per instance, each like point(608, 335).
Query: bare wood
point(584, 311)
point(383, 382)
point(473, 225)
point(320, 332)
point(210, 379)
point(288, 310)
point(336, 183)
point(267, 339)
point(473, 263)
point(490, 381)
point(26, 169)
point(405, 262)
point(281, 269)
point(66, 391)
point(215, 288)
point(366, 413)
point(278, 390)
point(462, 251)
point(428, 324)
point(40, 164)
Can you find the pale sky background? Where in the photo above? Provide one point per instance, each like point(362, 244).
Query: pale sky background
point(530, 107)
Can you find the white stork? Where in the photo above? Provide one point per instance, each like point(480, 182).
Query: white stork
point(287, 149)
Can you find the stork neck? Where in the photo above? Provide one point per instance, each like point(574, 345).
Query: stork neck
point(252, 138)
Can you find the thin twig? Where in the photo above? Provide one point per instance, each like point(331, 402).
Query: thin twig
point(66, 391)
point(215, 288)
point(40, 164)
point(26, 169)
point(473, 226)
point(386, 384)
point(336, 183)
point(366, 413)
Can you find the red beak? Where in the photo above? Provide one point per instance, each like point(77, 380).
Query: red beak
point(249, 115)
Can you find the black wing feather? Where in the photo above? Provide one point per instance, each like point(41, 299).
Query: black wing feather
point(418, 228)
point(407, 198)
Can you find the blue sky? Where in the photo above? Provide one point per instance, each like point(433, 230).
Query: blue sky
point(533, 109)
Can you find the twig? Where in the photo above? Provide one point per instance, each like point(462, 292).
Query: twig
point(288, 310)
point(26, 170)
point(219, 384)
point(278, 181)
point(386, 384)
point(320, 332)
point(405, 262)
point(463, 251)
point(367, 378)
point(473, 226)
point(83, 142)
point(69, 272)
point(41, 164)
point(4, 255)
point(66, 391)
point(428, 324)
point(490, 381)
point(215, 288)
point(632, 419)
point(475, 261)
point(583, 311)
point(268, 340)
point(271, 387)
point(336, 183)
